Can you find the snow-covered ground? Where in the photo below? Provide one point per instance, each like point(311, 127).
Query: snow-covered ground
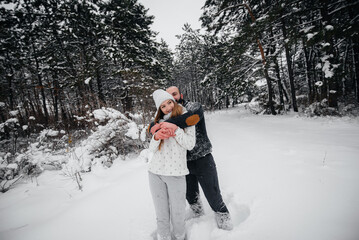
point(282, 177)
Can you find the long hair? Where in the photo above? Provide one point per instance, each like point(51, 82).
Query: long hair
point(176, 111)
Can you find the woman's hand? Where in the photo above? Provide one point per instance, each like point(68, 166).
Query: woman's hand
point(155, 128)
point(164, 133)
point(172, 127)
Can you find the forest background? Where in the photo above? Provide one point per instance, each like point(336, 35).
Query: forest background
point(63, 61)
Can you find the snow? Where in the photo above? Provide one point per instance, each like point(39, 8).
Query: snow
point(107, 114)
point(14, 113)
point(143, 134)
point(79, 118)
point(136, 116)
point(132, 131)
point(329, 28)
point(282, 177)
point(327, 66)
point(52, 133)
point(12, 166)
point(12, 120)
point(205, 79)
point(319, 83)
point(262, 18)
point(87, 81)
point(328, 73)
point(260, 83)
point(8, 6)
point(114, 149)
point(307, 29)
point(311, 35)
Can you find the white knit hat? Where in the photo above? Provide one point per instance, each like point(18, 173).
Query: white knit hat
point(159, 96)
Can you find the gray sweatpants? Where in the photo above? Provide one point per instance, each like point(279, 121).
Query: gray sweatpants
point(169, 198)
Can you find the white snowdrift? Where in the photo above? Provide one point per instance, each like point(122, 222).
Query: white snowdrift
point(282, 177)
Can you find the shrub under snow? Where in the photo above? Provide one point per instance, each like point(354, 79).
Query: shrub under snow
point(112, 136)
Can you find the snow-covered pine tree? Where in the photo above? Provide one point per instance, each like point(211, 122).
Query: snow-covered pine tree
point(309, 46)
point(64, 58)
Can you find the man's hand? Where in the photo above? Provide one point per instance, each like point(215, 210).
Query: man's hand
point(164, 133)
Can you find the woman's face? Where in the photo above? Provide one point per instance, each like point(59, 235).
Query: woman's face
point(167, 106)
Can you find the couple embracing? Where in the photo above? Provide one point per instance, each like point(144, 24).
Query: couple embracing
point(181, 162)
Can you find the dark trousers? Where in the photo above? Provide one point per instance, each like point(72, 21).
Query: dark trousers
point(204, 172)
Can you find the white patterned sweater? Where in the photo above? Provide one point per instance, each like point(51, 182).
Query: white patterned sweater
point(171, 160)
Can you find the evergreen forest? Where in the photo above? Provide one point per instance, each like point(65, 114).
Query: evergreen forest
point(60, 60)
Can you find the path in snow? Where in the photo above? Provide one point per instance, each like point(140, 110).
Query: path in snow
point(282, 177)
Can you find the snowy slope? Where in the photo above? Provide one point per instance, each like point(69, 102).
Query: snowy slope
point(282, 177)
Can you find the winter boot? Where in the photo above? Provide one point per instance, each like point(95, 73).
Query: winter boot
point(196, 210)
point(184, 237)
point(224, 221)
point(159, 237)
point(156, 236)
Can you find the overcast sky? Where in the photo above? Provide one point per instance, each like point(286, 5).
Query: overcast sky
point(171, 15)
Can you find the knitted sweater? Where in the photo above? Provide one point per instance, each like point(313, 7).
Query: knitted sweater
point(171, 160)
point(194, 116)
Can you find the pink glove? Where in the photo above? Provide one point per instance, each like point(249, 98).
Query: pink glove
point(169, 126)
point(155, 128)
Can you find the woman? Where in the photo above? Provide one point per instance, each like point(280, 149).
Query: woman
point(167, 169)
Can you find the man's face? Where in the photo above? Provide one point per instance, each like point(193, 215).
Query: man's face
point(174, 92)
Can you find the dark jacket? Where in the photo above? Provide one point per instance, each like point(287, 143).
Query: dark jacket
point(194, 116)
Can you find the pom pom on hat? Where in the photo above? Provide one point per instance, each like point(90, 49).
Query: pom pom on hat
point(159, 96)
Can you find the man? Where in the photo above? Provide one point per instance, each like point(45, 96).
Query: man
point(200, 161)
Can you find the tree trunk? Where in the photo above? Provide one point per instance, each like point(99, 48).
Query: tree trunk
point(279, 83)
point(307, 72)
point(31, 103)
point(270, 90)
point(37, 104)
point(64, 117)
point(56, 98)
point(265, 70)
point(9, 78)
point(42, 90)
point(355, 48)
point(99, 86)
point(344, 69)
point(227, 101)
point(332, 91)
point(276, 67)
point(127, 102)
point(10, 94)
point(290, 70)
